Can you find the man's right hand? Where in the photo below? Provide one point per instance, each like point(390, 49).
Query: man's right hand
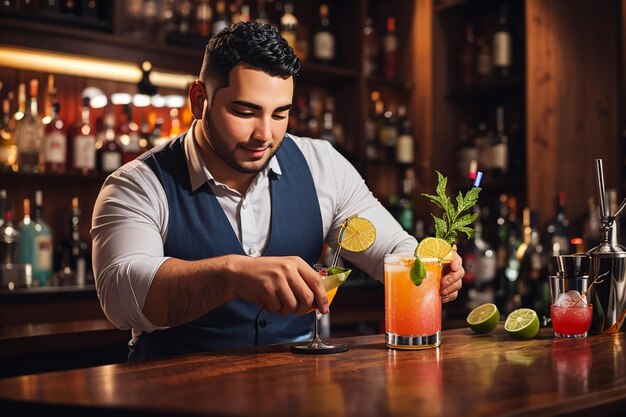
point(282, 285)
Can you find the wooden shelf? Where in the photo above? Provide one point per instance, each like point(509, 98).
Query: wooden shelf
point(497, 89)
point(71, 176)
point(396, 84)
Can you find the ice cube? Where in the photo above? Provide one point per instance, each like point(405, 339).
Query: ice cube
point(567, 299)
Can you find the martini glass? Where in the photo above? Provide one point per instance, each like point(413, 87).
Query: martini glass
point(331, 283)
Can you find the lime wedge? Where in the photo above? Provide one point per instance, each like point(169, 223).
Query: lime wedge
point(418, 272)
point(522, 323)
point(483, 318)
point(335, 278)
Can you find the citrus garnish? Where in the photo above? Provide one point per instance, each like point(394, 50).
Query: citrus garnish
point(336, 276)
point(522, 323)
point(433, 247)
point(483, 318)
point(418, 272)
point(356, 235)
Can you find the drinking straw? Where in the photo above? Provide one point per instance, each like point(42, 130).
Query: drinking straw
point(479, 177)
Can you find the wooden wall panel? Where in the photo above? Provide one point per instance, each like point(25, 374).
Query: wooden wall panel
point(572, 104)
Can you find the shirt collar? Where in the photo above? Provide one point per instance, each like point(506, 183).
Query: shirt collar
point(199, 173)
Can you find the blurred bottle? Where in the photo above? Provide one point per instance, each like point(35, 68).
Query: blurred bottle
point(467, 152)
point(203, 14)
point(327, 132)
point(468, 57)
point(184, 11)
point(221, 19)
point(483, 60)
point(591, 227)
point(55, 139)
point(73, 263)
point(502, 249)
point(371, 132)
point(502, 45)
point(483, 142)
point(128, 132)
point(370, 48)
point(262, 12)
point(404, 148)
point(315, 113)
point(150, 10)
point(9, 236)
point(486, 269)
point(82, 143)
point(324, 40)
point(8, 150)
point(500, 146)
point(405, 212)
point(134, 18)
point(29, 135)
point(389, 135)
point(156, 137)
point(532, 285)
point(390, 50)
point(557, 234)
point(36, 242)
point(289, 26)
point(512, 299)
point(109, 150)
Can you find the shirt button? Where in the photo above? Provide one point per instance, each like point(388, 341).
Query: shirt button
point(244, 205)
point(251, 251)
point(262, 323)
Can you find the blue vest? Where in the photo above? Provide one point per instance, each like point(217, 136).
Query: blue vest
point(198, 228)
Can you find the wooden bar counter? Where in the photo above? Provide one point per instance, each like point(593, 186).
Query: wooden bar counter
point(469, 375)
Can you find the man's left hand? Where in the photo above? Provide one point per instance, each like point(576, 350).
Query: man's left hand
point(452, 280)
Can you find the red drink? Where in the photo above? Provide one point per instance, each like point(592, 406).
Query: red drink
point(571, 321)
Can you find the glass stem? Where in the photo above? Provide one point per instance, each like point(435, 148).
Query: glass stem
point(318, 318)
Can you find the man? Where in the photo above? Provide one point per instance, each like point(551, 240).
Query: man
point(207, 242)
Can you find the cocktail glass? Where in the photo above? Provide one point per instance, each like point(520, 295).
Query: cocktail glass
point(412, 312)
point(571, 310)
point(317, 346)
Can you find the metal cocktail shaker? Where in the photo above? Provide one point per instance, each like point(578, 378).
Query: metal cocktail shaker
point(608, 261)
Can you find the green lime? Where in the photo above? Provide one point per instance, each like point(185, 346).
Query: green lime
point(483, 318)
point(336, 276)
point(522, 323)
point(418, 272)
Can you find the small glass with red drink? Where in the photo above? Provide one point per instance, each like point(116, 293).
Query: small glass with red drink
point(571, 309)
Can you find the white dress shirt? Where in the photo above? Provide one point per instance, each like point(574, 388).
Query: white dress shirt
point(130, 221)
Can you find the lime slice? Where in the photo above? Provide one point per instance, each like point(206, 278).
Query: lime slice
point(336, 278)
point(357, 234)
point(418, 272)
point(433, 247)
point(522, 323)
point(483, 318)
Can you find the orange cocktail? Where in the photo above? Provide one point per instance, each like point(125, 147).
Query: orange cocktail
point(412, 312)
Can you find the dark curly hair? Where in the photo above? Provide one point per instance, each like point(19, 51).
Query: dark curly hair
point(256, 44)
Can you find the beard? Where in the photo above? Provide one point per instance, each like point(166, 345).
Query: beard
point(220, 146)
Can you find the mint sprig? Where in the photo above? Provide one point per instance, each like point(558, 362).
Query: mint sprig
point(453, 219)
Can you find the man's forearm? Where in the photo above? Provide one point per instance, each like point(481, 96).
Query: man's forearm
point(182, 291)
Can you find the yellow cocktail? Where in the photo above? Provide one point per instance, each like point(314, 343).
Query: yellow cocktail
point(412, 312)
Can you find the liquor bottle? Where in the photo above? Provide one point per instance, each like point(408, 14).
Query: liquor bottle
point(468, 57)
point(55, 141)
point(203, 18)
point(36, 242)
point(502, 49)
point(175, 124)
point(466, 153)
point(389, 135)
point(156, 137)
point(109, 150)
point(483, 141)
point(29, 135)
point(484, 263)
point(404, 148)
point(315, 113)
point(405, 212)
point(82, 143)
point(512, 299)
point(327, 132)
point(221, 19)
point(390, 50)
point(484, 65)
point(134, 18)
point(371, 132)
point(591, 227)
point(502, 250)
point(128, 133)
point(289, 26)
point(532, 284)
point(150, 10)
point(500, 146)
point(73, 253)
point(49, 98)
point(9, 239)
point(557, 235)
point(3, 206)
point(370, 48)
point(8, 150)
point(324, 40)
point(262, 12)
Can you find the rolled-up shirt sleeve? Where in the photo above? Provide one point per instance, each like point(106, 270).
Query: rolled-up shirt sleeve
point(129, 226)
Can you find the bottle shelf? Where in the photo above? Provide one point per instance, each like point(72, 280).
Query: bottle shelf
point(396, 84)
point(60, 19)
point(494, 185)
point(494, 90)
point(70, 176)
